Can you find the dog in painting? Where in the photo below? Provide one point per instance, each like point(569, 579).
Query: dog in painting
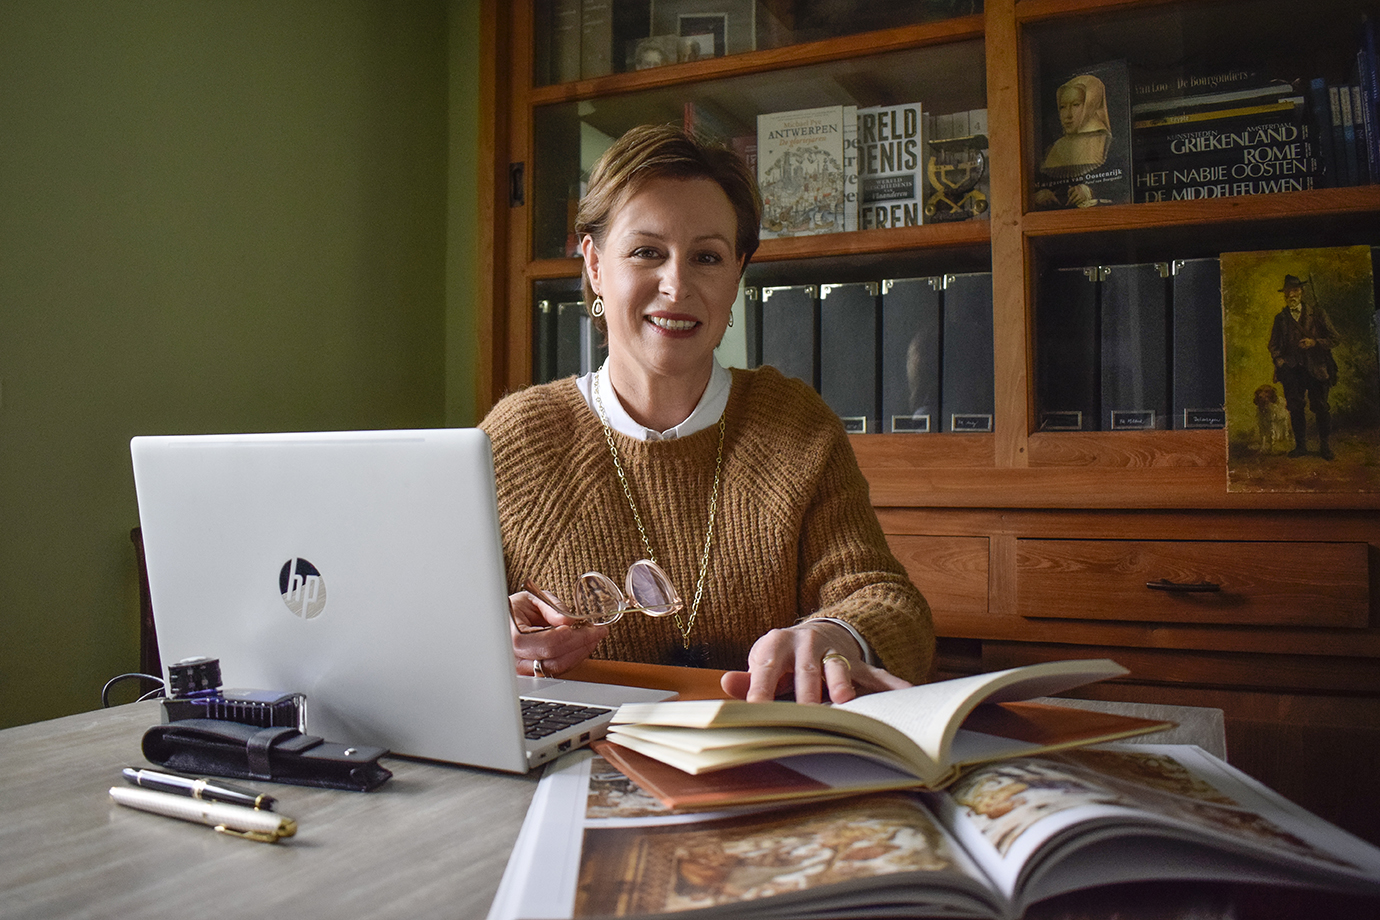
point(1271, 418)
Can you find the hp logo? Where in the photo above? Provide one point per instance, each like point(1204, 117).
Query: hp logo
point(303, 588)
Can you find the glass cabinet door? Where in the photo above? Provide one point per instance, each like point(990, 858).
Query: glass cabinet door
point(582, 39)
point(941, 82)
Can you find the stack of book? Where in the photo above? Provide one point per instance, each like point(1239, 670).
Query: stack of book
point(839, 168)
point(949, 799)
point(1241, 135)
point(1246, 132)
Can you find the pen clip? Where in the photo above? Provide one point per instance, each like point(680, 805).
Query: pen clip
point(285, 829)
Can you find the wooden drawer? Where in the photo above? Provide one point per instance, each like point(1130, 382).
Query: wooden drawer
point(951, 572)
point(1234, 583)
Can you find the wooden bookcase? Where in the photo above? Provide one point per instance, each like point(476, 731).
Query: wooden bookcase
point(1034, 545)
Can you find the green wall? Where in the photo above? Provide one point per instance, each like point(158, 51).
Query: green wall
point(215, 216)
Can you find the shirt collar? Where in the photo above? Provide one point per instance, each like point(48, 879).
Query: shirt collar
point(705, 414)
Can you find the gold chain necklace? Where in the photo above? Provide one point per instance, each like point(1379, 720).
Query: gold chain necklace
point(689, 624)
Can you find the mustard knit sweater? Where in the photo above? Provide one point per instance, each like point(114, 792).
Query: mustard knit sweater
point(795, 534)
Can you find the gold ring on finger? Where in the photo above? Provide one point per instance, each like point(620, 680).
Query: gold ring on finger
point(835, 656)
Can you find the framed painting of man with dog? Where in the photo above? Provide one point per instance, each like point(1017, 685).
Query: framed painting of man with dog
point(1302, 370)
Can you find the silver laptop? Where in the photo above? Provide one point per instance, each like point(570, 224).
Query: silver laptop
point(363, 569)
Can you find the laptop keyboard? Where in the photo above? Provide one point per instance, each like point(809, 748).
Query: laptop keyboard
point(543, 717)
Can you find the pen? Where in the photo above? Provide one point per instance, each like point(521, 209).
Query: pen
point(205, 789)
point(235, 820)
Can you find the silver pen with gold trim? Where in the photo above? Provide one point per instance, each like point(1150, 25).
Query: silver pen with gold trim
point(236, 820)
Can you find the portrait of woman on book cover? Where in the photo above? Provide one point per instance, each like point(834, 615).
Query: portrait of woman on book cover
point(1082, 167)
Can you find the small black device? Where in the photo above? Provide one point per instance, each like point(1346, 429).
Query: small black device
point(194, 692)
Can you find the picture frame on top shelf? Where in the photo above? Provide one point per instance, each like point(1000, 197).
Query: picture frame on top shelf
point(1273, 379)
point(733, 23)
point(707, 33)
point(653, 51)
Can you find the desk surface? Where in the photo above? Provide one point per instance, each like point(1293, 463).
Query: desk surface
point(410, 849)
point(432, 842)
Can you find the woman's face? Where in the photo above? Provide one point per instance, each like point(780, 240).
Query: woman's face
point(1072, 101)
point(668, 276)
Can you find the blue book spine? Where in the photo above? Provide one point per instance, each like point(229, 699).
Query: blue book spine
point(1370, 94)
point(1322, 123)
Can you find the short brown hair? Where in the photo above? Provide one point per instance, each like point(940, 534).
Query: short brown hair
point(652, 152)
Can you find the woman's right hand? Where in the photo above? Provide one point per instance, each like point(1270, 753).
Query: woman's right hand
point(548, 651)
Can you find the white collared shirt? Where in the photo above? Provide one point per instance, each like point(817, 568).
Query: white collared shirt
point(705, 414)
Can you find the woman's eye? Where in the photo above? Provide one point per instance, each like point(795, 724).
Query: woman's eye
point(646, 252)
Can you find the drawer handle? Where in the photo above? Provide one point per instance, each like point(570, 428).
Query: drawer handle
point(1164, 584)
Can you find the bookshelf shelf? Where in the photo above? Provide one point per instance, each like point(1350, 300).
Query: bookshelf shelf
point(1311, 207)
point(958, 506)
point(846, 48)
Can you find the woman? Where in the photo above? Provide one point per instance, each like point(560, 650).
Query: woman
point(1083, 146)
point(742, 486)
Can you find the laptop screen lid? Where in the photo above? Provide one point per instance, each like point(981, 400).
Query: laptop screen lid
point(363, 569)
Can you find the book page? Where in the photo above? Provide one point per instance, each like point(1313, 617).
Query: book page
point(930, 714)
point(604, 848)
point(1045, 825)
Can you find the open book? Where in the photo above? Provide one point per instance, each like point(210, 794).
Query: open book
point(1005, 836)
point(920, 736)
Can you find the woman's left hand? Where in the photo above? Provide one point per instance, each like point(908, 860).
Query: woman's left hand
point(813, 656)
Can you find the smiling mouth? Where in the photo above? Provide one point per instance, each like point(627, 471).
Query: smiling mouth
point(673, 325)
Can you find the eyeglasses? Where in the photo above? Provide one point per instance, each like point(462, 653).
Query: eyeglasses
point(597, 601)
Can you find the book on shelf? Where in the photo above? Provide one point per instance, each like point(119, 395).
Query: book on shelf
point(710, 122)
point(890, 166)
point(1134, 346)
point(1320, 112)
point(1151, 111)
point(957, 170)
point(801, 171)
point(924, 734)
point(967, 391)
point(788, 331)
point(852, 188)
point(1005, 837)
point(1363, 175)
point(848, 343)
point(1068, 374)
point(1346, 173)
point(1368, 69)
point(558, 53)
point(1236, 154)
point(1197, 389)
point(1169, 86)
point(910, 355)
point(1287, 105)
point(1087, 140)
point(596, 38)
point(1349, 148)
